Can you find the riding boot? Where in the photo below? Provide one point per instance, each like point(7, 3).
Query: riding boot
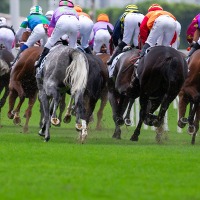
point(16, 58)
point(144, 48)
point(193, 49)
point(116, 52)
point(88, 50)
point(39, 61)
point(142, 53)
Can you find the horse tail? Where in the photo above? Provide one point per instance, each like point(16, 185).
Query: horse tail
point(171, 67)
point(76, 74)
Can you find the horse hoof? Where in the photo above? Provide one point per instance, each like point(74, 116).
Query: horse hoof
point(118, 137)
point(10, 115)
point(120, 121)
point(17, 120)
point(55, 121)
point(191, 130)
point(83, 135)
point(67, 119)
point(128, 122)
point(78, 127)
point(40, 133)
point(46, 139)
point(182, 122)
point(134, 138)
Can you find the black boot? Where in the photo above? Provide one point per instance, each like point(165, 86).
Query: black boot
point(39, 61)
point(88, 50)
point(193, 49)
point(116, 52)
point(144, 48)
point(16, 58)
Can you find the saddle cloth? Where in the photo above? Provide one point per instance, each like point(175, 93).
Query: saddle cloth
point(111, 68)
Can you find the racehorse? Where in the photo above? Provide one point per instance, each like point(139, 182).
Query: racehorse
point(96, 89)
point(190, 95)
point(161, 74)
point(64, 68)
point(23, 85)
point(104, 94)
point(6, 57)
point(118, 88)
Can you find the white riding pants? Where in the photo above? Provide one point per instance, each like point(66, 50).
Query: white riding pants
point(101, 37)
point(66, 24)
point(6, 38)
point(131, 28)
point(164, 27)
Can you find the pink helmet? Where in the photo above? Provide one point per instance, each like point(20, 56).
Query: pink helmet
point(66, 3)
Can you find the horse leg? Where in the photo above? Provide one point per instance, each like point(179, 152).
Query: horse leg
point(56, 99)
point(168, 98)
point(12, 98)
point(28, 111)
point(81, 115)
point(104, 99)
point(62, 106)
point(143, 112)
point(127, 119)
point(67, 117)
point(192, 112)
point(44, 131)
point(16, 111)
point(196, 123)
point(4, 97)
point(114, 103)
point(182, 105)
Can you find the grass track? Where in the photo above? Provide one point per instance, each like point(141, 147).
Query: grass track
point(102, 168)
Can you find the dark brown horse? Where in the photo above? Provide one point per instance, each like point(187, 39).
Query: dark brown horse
point(6, 58)
point(118, 88)
point(23, 85)
point(190, 95)
point(161, 74)
point(104, 94)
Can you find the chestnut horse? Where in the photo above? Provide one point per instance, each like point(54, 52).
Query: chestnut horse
point(23, 85)
point(161, 74)
point(190, 95)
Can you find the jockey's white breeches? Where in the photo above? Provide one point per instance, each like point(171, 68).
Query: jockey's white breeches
point(164, 27)
point(37, 34)
point(86, 26)
point(66, 24)
point(6, 38)
point(131, 28)
point(101, 37)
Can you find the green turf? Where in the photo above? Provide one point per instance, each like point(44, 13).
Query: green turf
point(102, 168)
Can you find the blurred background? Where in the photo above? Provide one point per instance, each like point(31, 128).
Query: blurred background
point(184, 10)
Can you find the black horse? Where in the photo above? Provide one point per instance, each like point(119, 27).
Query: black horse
point(6, 57)
point(161, 74)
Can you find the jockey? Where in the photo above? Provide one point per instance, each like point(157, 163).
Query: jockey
point(37, 23)
point(101, 34)
point(7, 34)
point(127, 29)
point(86, 26)
point(65, 20)
point(193, 35)
point(157, 23)
point(49, 14)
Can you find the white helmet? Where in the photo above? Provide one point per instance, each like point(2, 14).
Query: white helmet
point(49, 14)
point(36, 10)
point(2, 21)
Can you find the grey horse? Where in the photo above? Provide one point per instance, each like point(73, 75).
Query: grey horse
point(67, 69)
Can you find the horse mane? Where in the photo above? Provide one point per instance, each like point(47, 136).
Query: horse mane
point(76, 73)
